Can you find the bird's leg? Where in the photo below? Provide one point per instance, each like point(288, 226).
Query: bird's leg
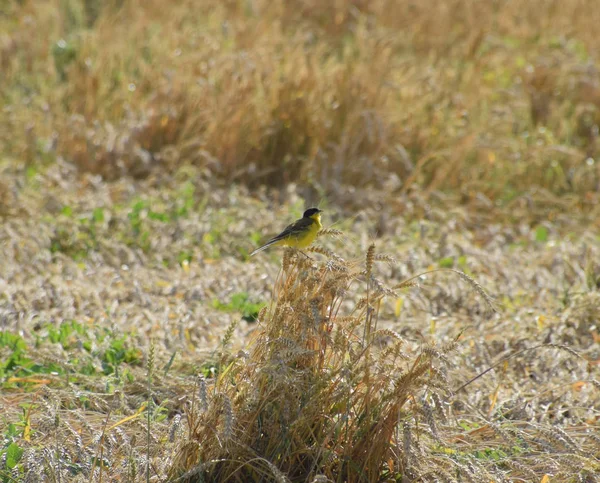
point(310, 258)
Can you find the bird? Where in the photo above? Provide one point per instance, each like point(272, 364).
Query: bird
point(299, 234)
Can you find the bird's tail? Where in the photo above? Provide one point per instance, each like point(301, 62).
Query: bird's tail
point(264, 247)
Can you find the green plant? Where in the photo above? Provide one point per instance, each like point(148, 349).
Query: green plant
point(119, 352)
point(240, 302)
point(17, 352)
point(12, 454)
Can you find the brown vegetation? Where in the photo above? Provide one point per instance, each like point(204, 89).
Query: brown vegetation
point(481, 97)
point(147, 147)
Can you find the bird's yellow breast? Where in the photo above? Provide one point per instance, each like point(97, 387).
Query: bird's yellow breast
point(303, 240)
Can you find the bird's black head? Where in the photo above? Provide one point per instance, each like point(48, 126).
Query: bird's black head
point(311, 212)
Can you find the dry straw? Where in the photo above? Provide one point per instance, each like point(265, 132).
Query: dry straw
point(322, 394)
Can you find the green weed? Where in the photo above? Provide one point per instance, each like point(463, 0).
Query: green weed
point(240, 302)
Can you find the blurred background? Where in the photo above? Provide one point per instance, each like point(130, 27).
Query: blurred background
point(487, 102)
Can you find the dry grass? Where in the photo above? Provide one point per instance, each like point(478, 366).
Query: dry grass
point(487, 99)
point(356, 371)
point(462, 136)
point(321, 391)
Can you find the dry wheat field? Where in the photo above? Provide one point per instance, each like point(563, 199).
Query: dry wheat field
point(443, 327)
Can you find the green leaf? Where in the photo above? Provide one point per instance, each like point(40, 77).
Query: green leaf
point(154, 215)
point(13, 455)
point(240, 303)
point(446, 262)
point(541, 234)
point(184, 256)
point(170, 363)
point(12, 431)
point(256, 237)
point(98, 215)
point(14, 357)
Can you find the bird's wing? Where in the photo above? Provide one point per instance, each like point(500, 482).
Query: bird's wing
point(296, 228)
point(299, 226)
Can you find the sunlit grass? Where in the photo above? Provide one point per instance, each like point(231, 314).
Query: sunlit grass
point(146, 148)
point(466, 99)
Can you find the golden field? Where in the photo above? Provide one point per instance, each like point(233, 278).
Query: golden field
point(445, 326)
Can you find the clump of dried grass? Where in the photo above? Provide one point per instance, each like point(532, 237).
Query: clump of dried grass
point(318, 395)
point(324, 393)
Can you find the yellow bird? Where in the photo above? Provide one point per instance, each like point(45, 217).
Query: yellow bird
point(299, 234)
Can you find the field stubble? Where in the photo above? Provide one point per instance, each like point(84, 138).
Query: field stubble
point(306, 390)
